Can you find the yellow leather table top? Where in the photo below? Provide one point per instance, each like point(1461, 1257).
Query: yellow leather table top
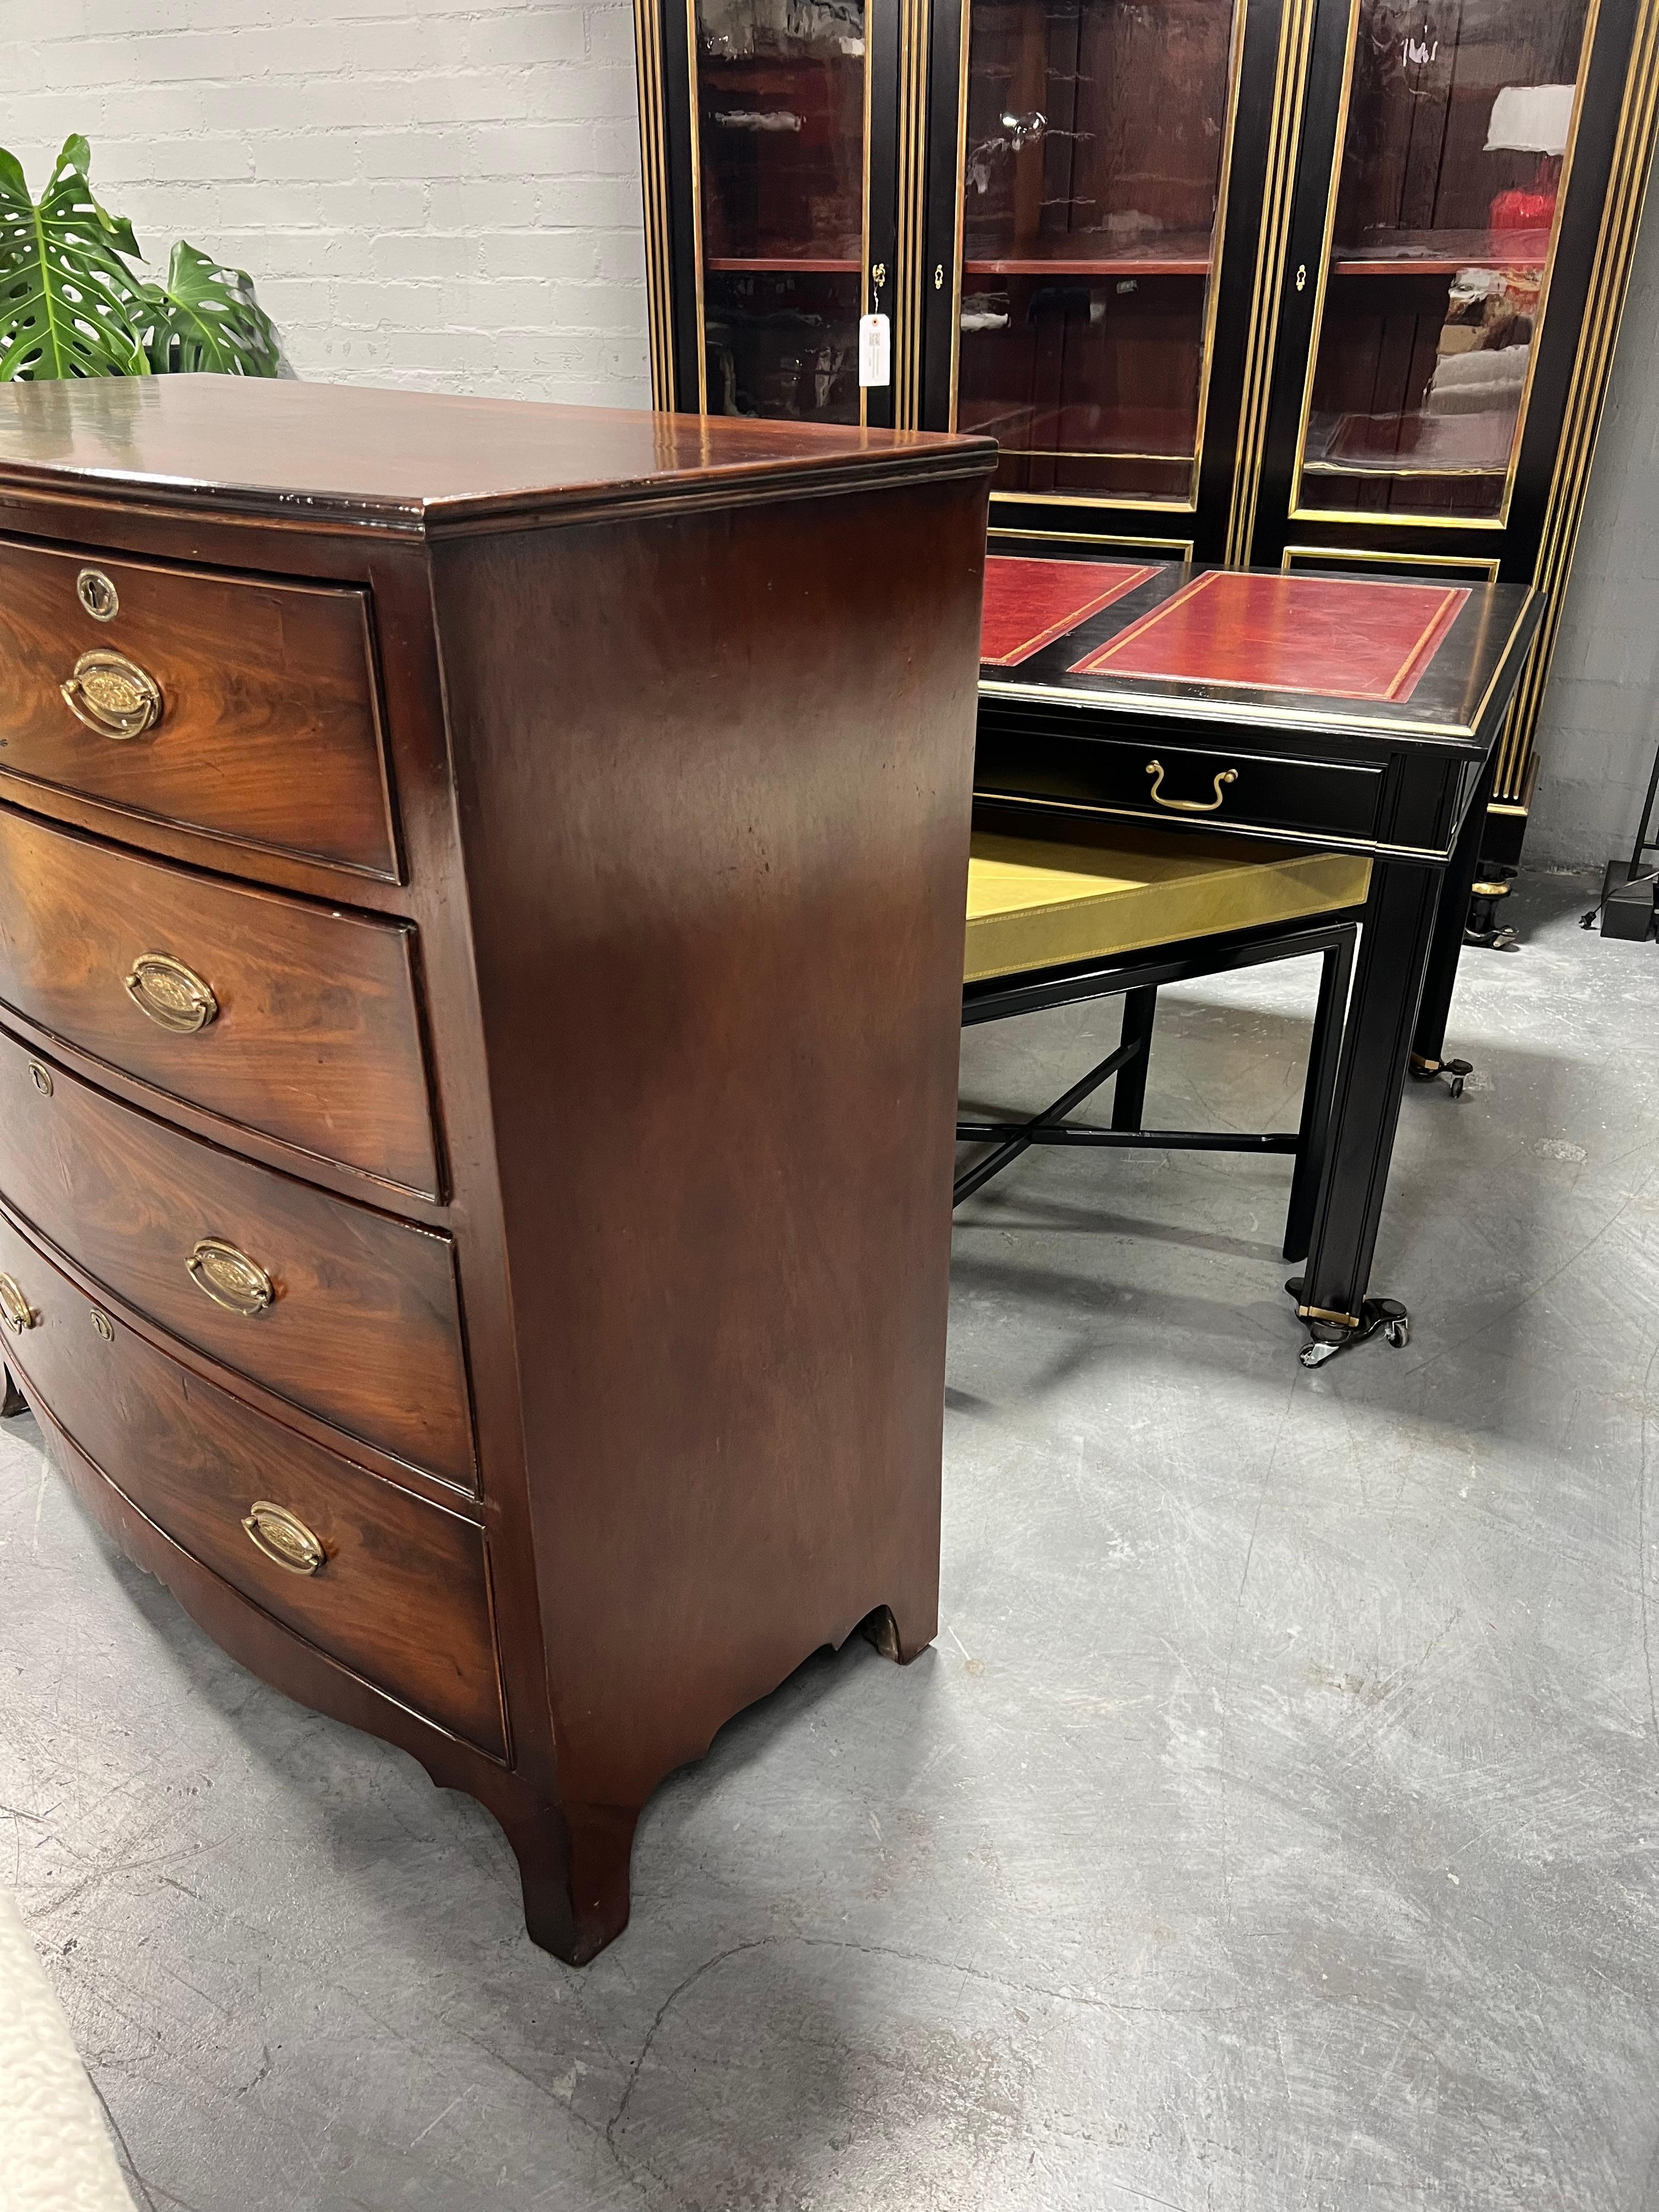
point(1035, 902)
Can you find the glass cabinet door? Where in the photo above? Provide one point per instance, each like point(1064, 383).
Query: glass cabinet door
point(1094, 152)
point(1456, 131)
point(780, 181)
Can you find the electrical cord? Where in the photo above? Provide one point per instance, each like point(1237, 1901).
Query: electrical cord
point(1632, 883)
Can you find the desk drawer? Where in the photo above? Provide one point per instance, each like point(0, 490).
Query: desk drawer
point(1022, 756)
point(263, 719)
point(283, 1017)
point(398, 1590)
point(345, 1311)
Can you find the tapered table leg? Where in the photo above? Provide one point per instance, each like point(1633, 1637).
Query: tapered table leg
point(1429, 1041)
point(1393, 951)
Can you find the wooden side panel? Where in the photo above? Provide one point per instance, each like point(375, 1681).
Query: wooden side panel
point(365, 1329)
point(269, 731)
point(316, 1040)
point(403, 1596)
point(716, 834)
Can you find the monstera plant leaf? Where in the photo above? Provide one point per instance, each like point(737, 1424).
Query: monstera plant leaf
point(205, 317)
point(67, 297)
point(71, 304)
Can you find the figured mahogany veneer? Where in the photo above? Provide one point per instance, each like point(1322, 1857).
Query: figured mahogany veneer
point(316, 1040)
point(269, 731)
point(583, 1156)
point(404, 1596)
point(365, 1325)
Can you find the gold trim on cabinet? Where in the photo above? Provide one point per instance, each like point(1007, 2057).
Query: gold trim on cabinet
point(1485, 567)
point(693, 101)
point(1127, 501)
point(1178, 549)
point(1273, 245)
point(1394, 517)
point(653, 193)
point(1633, 141)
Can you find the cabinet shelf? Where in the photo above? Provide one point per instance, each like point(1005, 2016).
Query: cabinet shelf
point(781, 264)
point(1442, 252)
point(1179, 255)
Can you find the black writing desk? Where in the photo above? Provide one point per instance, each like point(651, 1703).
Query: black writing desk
point(1337, 711)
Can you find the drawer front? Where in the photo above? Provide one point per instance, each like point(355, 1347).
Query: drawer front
point(401, 1594)
point(263, 722)
point(309, 1031)
point(342, 1310)
point(1153, 780)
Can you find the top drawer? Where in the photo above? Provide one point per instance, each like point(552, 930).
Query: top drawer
point(222, 703)
point(1091, 761)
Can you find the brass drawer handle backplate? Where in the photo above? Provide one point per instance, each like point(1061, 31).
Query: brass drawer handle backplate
point(15, 1309)
point(1155, 770)
point(283, 1538)
point(229, 1278)
point(170, 994)
point(113, 695)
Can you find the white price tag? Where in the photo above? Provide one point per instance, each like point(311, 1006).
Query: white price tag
point(875, 350)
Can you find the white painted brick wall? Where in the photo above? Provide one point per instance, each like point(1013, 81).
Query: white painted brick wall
point(1601, 719)
point(425, 192)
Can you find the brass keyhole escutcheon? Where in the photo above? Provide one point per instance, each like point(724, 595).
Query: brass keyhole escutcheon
point(103, 1325)
point(40, 1078)
point(939, 276)
point(283, 1538)
point(173, 996)
point(1302, 276)
point(1223, 776)
point(229, 1278)
point(97, 595)
point(113, 696)
point(15, 1310)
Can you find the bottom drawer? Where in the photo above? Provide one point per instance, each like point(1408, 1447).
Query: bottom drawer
point(395, 1588)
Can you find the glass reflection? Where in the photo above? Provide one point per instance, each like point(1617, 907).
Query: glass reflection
point(1096, 138)
point(1459, 116)
point(781, 104)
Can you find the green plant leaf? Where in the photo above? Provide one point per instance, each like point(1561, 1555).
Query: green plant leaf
point(67, 297)
point(205, 317)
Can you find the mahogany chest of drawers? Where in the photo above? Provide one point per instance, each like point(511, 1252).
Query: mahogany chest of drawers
point(481, 912)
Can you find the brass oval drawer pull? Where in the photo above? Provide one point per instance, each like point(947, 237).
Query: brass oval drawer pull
point(1155, 770)
point(170, 994)
point(283, 1538)
point(113, 695)
point(229, 1278)
point(15, 1309)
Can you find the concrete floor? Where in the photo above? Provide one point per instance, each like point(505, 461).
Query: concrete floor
point(1274, 1825)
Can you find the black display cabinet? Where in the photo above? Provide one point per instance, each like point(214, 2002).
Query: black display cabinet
point(1328, 284)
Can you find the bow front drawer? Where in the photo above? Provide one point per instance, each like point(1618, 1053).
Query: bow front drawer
point(394, 1588)
point(229, 704)
point(336, 1307)
point(293, 1020)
